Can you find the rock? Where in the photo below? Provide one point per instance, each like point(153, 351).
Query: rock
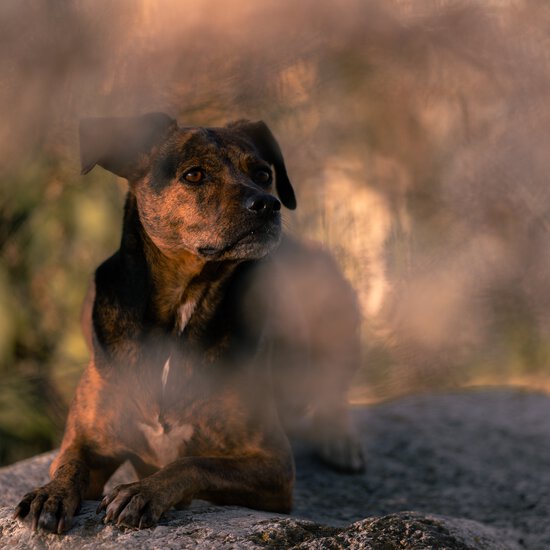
point(407, 530)
point(206, 526)
point(473, 466)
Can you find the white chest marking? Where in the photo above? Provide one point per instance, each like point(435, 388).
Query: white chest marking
point(165, 373)
point(184, 314)
point(166, 445)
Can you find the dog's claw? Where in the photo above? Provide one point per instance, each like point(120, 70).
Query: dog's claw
point(147, 520)
point(64, 524)
point(23, 508)
point(34, 523)
point(101, 506)
point(107, 505)
point(108, 516)
point(19, 512)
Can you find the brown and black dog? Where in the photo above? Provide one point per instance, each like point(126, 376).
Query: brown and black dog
point(210, 333)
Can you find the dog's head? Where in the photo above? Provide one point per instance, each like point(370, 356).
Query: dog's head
point(204, 190)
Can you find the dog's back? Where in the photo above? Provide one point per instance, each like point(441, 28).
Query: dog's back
point(314, 333)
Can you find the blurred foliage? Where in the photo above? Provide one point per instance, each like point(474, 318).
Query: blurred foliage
point(416, 134)
point(54, 228)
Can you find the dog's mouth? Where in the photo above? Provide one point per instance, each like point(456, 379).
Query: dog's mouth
point(251, 244)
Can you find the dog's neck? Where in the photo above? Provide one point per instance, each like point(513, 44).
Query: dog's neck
point(182, 284)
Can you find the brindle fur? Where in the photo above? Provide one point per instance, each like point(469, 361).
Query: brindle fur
point(206, 335)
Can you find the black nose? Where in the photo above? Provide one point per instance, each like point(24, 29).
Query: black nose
point(263, 204)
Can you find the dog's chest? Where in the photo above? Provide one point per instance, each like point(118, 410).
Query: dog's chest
point(166, 442)
point(165, 439)
point(192, 399)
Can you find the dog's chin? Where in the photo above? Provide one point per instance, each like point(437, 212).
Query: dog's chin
point(252, 246)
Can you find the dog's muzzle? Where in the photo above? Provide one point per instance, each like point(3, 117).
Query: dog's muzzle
point(258, 234)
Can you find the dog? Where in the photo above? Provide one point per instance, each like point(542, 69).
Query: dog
point(210, 333)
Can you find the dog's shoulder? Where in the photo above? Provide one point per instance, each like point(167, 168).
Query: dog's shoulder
point(120, 300)
point(309, 288)
point(308, 264)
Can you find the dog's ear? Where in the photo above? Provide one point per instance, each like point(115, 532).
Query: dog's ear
point(121, 144)
point(270, 151)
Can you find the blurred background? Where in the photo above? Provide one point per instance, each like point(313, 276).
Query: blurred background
point(416, 133)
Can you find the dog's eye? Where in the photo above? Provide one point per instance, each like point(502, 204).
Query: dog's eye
point(195, 175)
point(262, 176)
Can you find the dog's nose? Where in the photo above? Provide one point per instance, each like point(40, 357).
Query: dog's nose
point(263, 204)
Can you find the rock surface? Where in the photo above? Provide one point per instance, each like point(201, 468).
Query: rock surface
point(474, 466)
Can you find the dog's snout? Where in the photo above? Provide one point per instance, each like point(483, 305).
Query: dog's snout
point(263, 204)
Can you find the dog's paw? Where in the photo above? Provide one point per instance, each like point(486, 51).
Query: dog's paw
point(132, 505)
point(342, 453)
point(50, 508)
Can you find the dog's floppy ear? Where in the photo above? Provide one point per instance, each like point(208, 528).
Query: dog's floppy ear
point(270, 151)
point(119, 144)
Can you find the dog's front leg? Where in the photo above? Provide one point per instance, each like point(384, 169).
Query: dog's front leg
point(74, 477)
point(255, 481)
point(53, 506)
